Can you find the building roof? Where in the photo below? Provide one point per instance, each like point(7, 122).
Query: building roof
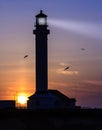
point(7, 101)
point(61, 96)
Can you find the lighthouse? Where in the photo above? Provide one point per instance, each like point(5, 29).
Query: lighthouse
point(41, 33)
point(43, 98)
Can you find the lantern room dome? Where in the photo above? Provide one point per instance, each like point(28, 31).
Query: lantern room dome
point(41, 14)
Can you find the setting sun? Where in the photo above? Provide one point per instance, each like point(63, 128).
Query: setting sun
point(22, 99)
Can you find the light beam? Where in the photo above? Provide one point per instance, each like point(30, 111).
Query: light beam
point(93, 30)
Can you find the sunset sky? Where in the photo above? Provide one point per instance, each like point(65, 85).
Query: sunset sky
point(74, 25)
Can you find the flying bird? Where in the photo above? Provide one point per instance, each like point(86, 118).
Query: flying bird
point(67, 68)
point(83, 49)
point(25, 56)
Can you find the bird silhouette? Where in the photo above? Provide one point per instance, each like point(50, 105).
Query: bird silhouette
point(67, 68)
point(83, 49)
point(25, 56)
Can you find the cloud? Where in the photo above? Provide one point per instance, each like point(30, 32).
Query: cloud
point(69, 72)
point(94, 82)
point(62, 64)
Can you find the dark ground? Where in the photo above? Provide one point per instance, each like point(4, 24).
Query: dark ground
point(79, 119)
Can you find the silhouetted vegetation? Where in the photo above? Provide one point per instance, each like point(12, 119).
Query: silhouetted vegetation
point(76, 119)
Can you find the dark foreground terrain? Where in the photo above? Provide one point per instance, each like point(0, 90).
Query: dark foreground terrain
point(79, 119)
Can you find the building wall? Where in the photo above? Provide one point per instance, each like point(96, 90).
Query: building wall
point(7, 104)
point(41, 102)
point(49, 102)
